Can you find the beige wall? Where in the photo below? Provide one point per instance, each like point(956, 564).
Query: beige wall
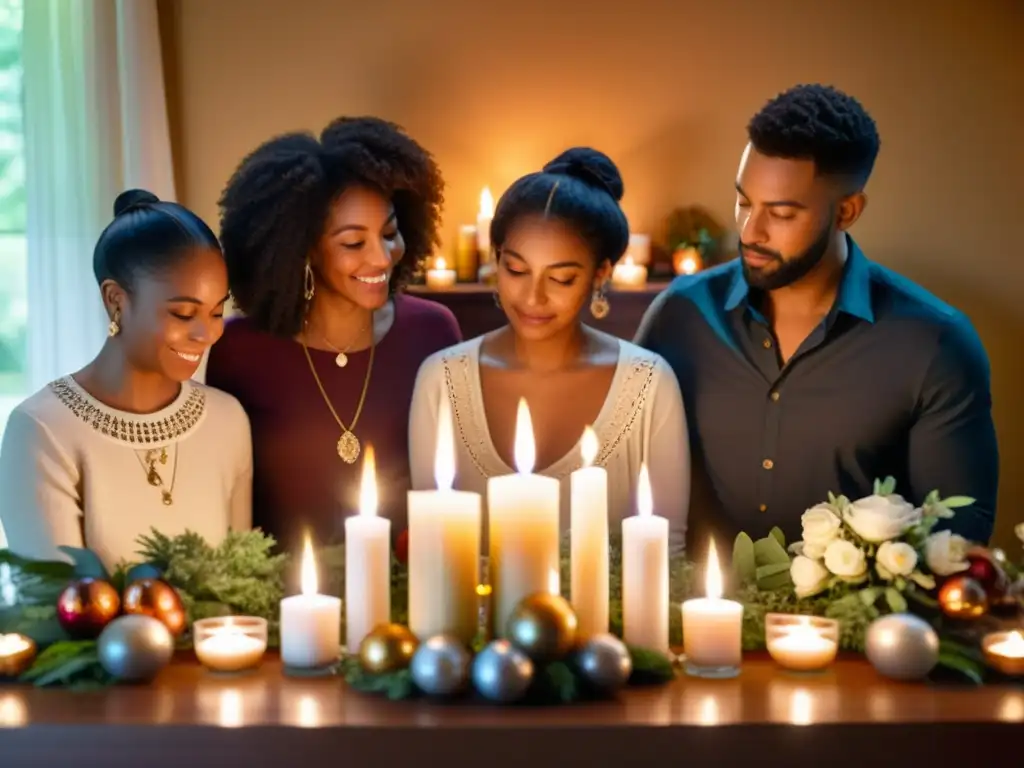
point(496, 87)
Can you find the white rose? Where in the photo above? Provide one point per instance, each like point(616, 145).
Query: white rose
point(846, 560)
point(897, 558)
point(1019, 530)
point(946, 553)
point(820, 528)
point(809, 576)
point(882, 518)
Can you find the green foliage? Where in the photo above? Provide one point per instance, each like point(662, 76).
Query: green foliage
point(764, 563)
point(72, 664)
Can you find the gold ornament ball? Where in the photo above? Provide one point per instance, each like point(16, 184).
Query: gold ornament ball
point(387, 648)
point(961, 597)
point(543, 626)
point(156, 598)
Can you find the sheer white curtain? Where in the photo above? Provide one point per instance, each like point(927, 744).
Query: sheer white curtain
point(95, 124)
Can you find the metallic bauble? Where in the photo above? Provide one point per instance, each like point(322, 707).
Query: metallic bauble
point(961, 597)
point(440, 666)
point(902, 646)
point(984, 569)
point(605, 662)
point(86, 606)
point(543, 626)
point(135, 648)
point(501, 672)
point(156, 598)
point(387, 648)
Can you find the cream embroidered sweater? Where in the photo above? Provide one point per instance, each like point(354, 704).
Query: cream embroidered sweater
point(642, 419)
point(74, 472)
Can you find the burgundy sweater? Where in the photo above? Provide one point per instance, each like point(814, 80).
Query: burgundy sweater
point(299, 481)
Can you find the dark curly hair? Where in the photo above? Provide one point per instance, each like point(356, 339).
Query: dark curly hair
point(275, 206)
point(819, 123)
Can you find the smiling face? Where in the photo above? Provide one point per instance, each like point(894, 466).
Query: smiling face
point(170, 318)
point(359, 248)
point(546, 277)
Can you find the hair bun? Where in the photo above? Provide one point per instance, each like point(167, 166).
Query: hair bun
point(593, 168)
point(133, 198)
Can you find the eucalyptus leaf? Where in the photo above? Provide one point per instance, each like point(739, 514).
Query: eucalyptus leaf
point(744, 562)
point(87, 563)
point(896, 601)
point(868, 595)
point(973, 671)
point(50, 569)
point(779, 536)
point(768, 551)
point(957, 501)
point(887, 486)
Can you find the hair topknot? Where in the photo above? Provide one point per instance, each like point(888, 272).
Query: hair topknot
point(591, 167)
point(820, 123)
point(274, 208)
point(133, 198)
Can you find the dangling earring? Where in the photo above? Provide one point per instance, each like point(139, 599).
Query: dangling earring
point(308, 284)
point(497, 300)
point(599, 306)
point(115, 326)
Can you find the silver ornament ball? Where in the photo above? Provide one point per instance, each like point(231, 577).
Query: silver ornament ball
point(501, 672)
point(134, 648)
point(440, 666)
point(902, 646)
point(605, 662)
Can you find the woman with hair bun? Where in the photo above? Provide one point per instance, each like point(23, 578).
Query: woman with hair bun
point(130, 442)
point(557, 234)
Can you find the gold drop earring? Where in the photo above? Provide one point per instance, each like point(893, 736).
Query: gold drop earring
point(115, 325)
point(599, 305)
point(309, 286)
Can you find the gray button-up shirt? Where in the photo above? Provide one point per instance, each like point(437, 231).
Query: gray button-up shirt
point(892, 382)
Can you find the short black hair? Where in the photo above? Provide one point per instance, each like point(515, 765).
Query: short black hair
point(582, 188)
point(819, 123)
point(147, 236)
point(275, 206)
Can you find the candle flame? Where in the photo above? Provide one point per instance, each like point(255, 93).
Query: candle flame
point(628, 260)
point(689, 265)
point(440, 263)
point(525, 449)
point(1013, 645)
point(588, 446)
point(486, 203)
point(12, 644)
point(644, 501)
point(713, 575)
point(444, 454)
point(368, 491)
point(553, 582)
point(309, 585)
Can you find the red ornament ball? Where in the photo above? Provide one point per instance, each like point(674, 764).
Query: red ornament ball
point(86, 606)
point(156, 598)
point(402, 547)
point(961, 597)
point(984, 570)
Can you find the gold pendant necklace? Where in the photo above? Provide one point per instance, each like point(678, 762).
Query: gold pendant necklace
point(153, 477)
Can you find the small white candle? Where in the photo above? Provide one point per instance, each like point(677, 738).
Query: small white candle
point(367, 562)
point(712, 628)
point(444, 548)
point(440, 276)
point(483, 223)
point(639, 248)
point(230, 649)
point(645, 605)
point(629, 275)
point(589, 541)
point(12, 644)
point(310, 623)
point(523, 529)
point(802, 648)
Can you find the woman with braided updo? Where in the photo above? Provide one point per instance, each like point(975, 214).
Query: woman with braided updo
point(319, 237)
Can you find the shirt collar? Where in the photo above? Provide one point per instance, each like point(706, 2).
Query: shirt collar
point(854, 289)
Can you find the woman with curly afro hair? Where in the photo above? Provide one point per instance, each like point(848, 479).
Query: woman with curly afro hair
point(319, 237)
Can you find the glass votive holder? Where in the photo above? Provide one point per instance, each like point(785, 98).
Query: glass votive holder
point(17, 652)
point(801, 643)
point(230, 643)
point(1004, 651)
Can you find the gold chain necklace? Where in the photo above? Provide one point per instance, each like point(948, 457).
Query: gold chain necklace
point(348, 444)
point(342, 359)
point(153, 477)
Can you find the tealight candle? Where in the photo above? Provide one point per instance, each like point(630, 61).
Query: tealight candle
point(17, 652)
point(645, 584)
point(712, 628)
point(589, 541)
point(1004, 651)
point(440, 276)
point(628, 275)
point(230, 643)
point(310, 622)
point(801, 643)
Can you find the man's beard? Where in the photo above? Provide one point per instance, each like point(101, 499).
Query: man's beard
point(788, 271)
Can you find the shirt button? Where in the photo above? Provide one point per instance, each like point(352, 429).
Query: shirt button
point(775, 397)
point(763, 508)
point(767, 343)
point(767, 463)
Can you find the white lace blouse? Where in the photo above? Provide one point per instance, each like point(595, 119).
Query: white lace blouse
point(642, 419)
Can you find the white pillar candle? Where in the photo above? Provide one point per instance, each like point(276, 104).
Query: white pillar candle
point(645, 605)
point(439, 276)
point(522, 528)
point(713, 628)
point(589, 541)
point(310, 622)
point(639, 248)
point(444, 548)
point(367, 563)
point(483, 224)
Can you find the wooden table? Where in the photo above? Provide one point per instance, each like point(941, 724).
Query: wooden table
point(846, 716)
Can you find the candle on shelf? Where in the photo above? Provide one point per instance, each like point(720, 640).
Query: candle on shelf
point(17, 652)
point(367, 562)
point(231, 643)
point(628, 275)
point(310, 622)
point(522, 528)
point(639, 249)
point(712, 628)
point(444, 548)
point(1004, 651)
point(439, 276)
point(483, 224)
point(801, 643)
point(467, 257)
point(589, 541)
point(645, 605)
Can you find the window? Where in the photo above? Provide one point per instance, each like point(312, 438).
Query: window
point(13, 262)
